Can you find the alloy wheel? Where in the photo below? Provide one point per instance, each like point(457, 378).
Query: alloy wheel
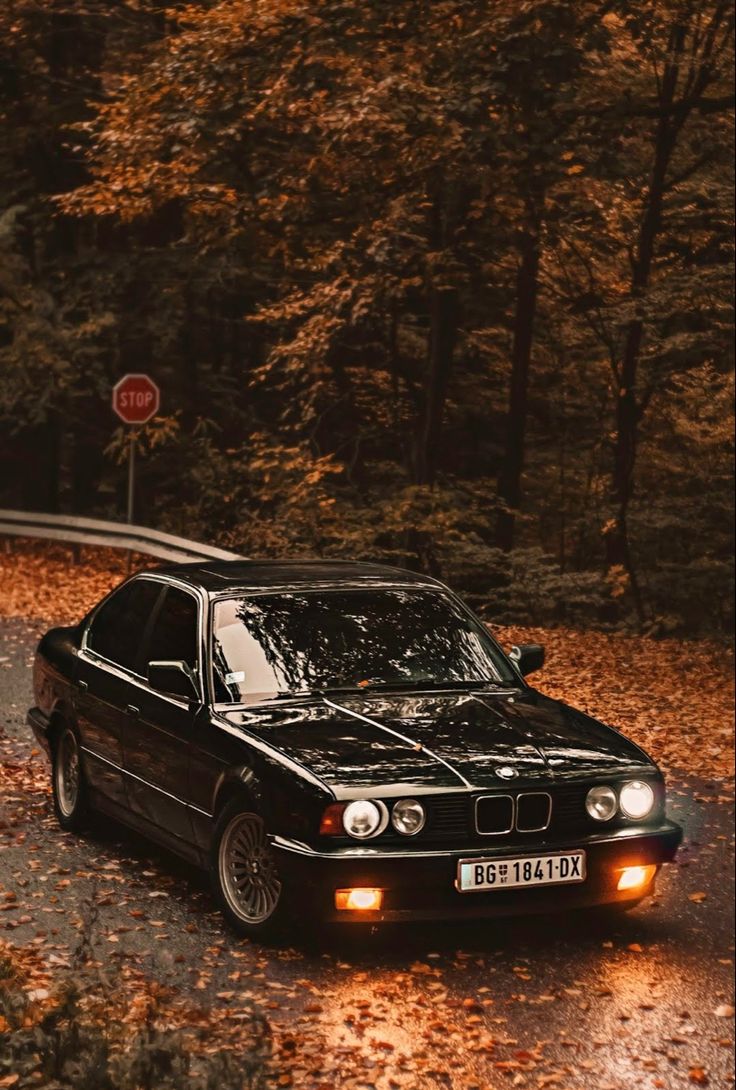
point(247, 869)
point(67, 774)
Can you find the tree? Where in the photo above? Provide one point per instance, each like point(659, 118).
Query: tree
point(688, 46)
point(547, 53)
point(388, 264)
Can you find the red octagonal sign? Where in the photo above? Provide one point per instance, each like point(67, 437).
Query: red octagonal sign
point(136, 398)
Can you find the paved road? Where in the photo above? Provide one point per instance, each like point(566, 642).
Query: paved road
point(578, 1002)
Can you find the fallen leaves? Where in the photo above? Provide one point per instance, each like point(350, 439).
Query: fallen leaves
point(673, 697)
point(92, 1019)
point(42, 581)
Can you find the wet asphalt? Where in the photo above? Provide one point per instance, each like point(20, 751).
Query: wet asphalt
point(576, 1002)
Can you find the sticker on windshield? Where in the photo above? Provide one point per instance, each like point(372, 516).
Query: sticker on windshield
point(235, 678)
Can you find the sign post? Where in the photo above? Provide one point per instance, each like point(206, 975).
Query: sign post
point(135, 399)
point(132, 438)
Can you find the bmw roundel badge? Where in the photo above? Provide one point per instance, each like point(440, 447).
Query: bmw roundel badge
point(506, 772)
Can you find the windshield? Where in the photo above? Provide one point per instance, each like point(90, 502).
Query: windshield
point(273, 644)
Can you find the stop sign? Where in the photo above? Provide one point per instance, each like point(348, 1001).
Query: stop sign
point(136, 398)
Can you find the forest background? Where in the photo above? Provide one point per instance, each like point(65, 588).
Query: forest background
point(446, 284)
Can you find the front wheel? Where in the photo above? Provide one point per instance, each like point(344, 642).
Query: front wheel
point(67, 779)
point(245, 878)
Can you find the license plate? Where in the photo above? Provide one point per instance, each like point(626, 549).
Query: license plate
point(476, 875)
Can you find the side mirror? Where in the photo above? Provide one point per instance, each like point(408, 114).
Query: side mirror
point(527, 658)
point(172, 678)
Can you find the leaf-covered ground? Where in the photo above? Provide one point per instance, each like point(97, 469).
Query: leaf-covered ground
point(674, 697)
point(645, 1002)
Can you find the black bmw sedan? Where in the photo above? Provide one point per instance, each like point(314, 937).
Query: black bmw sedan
point(342, 740)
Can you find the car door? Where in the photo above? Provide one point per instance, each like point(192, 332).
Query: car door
point(157, 742)
point(106, 683)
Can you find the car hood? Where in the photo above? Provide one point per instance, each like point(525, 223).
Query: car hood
point(397, 743)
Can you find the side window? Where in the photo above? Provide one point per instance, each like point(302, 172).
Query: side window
point(118, 627)
point(175, 630)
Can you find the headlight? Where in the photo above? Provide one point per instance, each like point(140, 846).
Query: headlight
point(601, 803)
point(408, 817)
point(636, 798)
point(364, 819)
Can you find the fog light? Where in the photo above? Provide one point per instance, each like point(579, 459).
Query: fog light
point(634, 877)
point(359, 900)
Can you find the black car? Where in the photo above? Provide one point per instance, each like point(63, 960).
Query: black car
point(342, 740)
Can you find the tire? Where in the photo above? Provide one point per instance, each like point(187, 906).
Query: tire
point(71, 804)
point(248, 889)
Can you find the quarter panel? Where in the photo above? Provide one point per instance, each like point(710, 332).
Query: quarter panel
point(53, 670)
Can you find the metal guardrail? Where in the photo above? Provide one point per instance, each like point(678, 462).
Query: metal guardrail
point(115, 535)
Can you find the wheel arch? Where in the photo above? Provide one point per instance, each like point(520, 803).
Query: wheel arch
point(240, 782)
point(61, 716)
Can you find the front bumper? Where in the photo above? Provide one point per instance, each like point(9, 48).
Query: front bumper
point(420, 885)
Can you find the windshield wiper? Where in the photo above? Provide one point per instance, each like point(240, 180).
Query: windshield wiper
point(413, 683)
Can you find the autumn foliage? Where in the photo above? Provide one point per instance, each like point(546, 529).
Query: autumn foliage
point(442, 283)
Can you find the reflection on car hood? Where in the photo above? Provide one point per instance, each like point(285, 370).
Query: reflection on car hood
point(442, 741)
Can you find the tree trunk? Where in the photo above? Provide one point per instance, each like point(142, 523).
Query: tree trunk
point(444, 325)
point(87, 457)
point(509, 478)
point(41, 480)
point(628, 411)
point(562, 456)
point(190, 354)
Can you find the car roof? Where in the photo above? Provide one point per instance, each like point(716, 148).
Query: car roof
point(226, 576)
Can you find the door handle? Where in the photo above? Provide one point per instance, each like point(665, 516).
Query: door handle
point(132, 710)
point(83, 686)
